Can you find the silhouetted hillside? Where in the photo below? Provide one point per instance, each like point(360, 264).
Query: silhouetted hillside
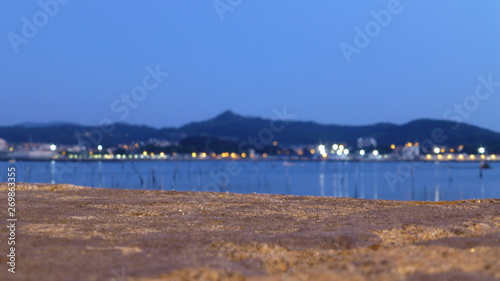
point(232, 127)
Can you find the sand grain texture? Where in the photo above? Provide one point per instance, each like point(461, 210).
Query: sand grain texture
point(75, 233)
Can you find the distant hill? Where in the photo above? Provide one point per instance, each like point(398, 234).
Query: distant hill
point(42, 125)
point(233, 127)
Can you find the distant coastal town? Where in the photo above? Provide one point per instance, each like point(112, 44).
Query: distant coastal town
point(365, 150)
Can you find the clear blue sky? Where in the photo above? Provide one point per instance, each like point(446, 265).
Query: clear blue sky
point(261, 55)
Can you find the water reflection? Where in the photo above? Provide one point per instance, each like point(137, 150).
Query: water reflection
point(436, 187)
point(321, 183)
point(417, 181)
point(288, 180)
point(375, 182)
point(52, 171)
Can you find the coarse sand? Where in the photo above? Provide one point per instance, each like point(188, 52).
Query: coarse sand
point(66, 232)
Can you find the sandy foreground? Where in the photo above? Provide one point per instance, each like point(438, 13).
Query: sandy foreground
point(66, 232)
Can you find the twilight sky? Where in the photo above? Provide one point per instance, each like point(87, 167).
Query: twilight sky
point(326, 61)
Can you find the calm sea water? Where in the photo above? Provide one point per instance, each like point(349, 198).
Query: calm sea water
point(434, 181)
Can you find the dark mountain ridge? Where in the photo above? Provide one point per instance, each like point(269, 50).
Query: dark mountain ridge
point(231, 126)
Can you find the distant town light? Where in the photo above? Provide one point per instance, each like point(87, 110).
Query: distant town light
point(321, 150)
point(339, 152)
point(99, 147)
point(472, 156)
point(335, 146)
point(460, 157)
point(361, 152)
point(428, 156)
point(53, 147)
point(341, 147)
point(393, 146)
point(481, 150)
point(193, 154)
point(375, 152)
point(346, 151)
point(493, 156)
point(437, 150)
